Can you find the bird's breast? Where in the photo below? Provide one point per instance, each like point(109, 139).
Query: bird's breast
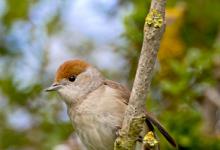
point(96, 119)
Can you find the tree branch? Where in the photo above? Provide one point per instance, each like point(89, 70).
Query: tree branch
point(134, 115)
point(213, 96)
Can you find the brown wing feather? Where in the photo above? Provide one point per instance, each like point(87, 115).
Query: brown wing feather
point(124, 92)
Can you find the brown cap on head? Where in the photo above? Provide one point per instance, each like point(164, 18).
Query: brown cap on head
point(70, 68)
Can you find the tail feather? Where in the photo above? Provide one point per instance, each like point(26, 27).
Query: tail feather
point(162, 130)
point(149, 125)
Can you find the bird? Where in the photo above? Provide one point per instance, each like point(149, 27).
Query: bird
point(95, 105)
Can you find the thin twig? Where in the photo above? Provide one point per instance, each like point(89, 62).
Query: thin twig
point(134, 116)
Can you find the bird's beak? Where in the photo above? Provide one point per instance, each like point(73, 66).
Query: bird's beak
point(53, 87)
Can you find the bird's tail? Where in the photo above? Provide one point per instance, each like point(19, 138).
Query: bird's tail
point(152, 120)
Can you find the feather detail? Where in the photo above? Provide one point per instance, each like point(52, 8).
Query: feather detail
point(124, 93)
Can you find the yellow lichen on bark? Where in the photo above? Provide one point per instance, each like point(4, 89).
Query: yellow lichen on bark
point(154, 18)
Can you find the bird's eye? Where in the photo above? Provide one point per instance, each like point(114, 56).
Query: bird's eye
point(72, 79)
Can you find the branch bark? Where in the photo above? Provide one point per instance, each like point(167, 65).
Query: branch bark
point(134, 116)
point(213, 96)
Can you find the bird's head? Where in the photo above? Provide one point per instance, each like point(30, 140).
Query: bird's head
point(74, 79)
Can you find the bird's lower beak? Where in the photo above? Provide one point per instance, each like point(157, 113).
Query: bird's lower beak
point(53, 87)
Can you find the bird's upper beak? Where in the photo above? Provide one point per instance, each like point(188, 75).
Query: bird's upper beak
point(53, 87)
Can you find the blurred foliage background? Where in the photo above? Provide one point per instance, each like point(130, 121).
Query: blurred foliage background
point(36, 36)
